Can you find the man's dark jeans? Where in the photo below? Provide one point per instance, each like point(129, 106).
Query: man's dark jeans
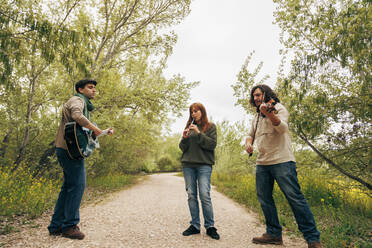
point(285, 175)
point(66, 211)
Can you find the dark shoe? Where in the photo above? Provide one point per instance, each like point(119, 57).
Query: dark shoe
point(314, 245)
point(212, 232)
point(190, 231)
point(268, 239)
point(73, 233)
point(56, 232)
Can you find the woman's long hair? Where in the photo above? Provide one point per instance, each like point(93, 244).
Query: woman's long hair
point(269, 94)
point(203, 120)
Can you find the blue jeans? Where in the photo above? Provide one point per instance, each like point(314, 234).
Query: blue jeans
point(285, 175)
point(66, 211)
point(199, 177)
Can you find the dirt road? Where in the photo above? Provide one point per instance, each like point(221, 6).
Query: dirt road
point(153, 213)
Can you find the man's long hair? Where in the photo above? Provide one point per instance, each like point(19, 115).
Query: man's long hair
point(203, 120)
point(269, 94)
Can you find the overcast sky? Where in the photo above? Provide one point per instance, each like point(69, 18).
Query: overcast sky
point(213, 43)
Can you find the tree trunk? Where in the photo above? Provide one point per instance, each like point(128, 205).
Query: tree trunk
point(330, 162)
point(5, 144)
point(44, 162)
point(26, 136)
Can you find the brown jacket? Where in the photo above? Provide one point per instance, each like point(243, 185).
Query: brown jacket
point(72, 111)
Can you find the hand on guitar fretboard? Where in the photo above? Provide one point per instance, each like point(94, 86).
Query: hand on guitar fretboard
point(107, 131)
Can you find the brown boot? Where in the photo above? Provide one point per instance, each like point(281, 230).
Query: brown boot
point(268, 239)
point(314, 245)
point(73, 233)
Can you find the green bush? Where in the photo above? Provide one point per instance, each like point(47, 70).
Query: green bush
point(21, 194)
point(167, 164)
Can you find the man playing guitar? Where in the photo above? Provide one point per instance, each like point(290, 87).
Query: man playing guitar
point(66, 212)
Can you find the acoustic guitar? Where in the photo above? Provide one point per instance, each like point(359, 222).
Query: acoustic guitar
point(80, 141)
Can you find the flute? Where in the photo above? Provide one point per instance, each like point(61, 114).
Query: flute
point(188, 131)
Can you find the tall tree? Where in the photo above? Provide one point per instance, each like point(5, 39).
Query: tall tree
point(122, 44)
point(30, 22)
point(329, 86)
point(124, 27)
point(39, 42)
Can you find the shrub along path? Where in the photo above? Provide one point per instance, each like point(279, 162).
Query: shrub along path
point(151, 214)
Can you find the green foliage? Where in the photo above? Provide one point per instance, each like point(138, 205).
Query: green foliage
point(238, 186)
point(109, 183)
point(45, 48)
point(126, 151)
point(328, 90)
point(26, 29)
point(168, 155)
point(229, 153)
point(59, 43)
point(245, 82)
point(149, 166)
point(21, 194)
point(165, 163)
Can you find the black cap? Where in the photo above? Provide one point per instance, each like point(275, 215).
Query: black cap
point(83, 82)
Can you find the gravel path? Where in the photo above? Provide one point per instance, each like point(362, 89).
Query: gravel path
point(151, 214)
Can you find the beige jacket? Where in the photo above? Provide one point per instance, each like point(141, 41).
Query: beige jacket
point(72, 111)
point(273, 142)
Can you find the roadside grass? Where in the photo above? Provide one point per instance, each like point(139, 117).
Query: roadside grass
point(344, 217)
point(98, 187)
point(24, 198)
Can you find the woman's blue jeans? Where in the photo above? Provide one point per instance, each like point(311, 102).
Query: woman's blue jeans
point(199, 177)
point(66, 211)
point(285, 175)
